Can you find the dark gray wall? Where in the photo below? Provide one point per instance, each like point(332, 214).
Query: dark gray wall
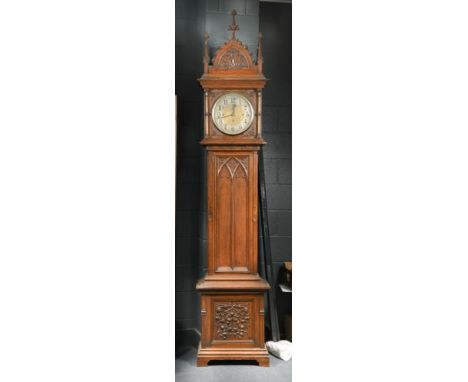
point(275, 24)
point(193, 18)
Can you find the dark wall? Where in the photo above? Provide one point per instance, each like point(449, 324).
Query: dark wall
point(190, 222)
point(275, 24)
point(193, 18)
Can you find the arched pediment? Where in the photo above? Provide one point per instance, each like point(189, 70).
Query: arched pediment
point(233, 55)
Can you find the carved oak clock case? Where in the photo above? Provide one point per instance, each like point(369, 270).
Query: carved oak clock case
point(232, 292)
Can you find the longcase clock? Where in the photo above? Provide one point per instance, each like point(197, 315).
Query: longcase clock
point(232, 292)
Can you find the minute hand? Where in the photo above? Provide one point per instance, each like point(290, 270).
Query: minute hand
point(233, 110)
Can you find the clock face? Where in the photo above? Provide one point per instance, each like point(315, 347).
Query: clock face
point(232, 113)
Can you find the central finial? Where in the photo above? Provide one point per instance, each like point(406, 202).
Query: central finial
point(233, 27)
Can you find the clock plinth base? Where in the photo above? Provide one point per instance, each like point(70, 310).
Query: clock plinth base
point(232, 318)
point(260, 355)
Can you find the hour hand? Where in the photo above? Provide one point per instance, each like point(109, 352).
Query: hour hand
point(228, 115)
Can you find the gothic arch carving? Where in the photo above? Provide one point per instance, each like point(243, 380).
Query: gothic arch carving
point(236, 166)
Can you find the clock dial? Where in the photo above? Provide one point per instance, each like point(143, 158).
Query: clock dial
point(232, 113)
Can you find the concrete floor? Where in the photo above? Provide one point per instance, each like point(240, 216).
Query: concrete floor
point(186, 370)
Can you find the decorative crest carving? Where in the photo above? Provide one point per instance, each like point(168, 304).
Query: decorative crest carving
point(232, 59)
point(233, 55)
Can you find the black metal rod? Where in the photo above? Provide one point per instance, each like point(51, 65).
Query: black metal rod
point(271, 294)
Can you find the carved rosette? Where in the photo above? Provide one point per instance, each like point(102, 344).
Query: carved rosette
point(231, 320)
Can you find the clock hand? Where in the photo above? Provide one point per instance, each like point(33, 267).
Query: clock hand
point(233, 109)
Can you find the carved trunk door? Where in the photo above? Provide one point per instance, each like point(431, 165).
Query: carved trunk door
point(232, 211)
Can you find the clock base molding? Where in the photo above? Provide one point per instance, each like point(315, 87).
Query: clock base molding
point(248, 143)
point(230, 282)
point(260, 355)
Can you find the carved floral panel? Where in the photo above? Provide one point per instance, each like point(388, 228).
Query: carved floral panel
point(231, 320)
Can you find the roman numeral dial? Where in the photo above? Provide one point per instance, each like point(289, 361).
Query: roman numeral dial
point(232, 113)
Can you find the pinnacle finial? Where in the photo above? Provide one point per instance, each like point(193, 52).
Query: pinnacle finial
point(260, 53)
point(233, 27)
point(206, 57)
point(207, 36)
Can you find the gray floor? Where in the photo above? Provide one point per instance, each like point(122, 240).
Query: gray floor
point(186, 370)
